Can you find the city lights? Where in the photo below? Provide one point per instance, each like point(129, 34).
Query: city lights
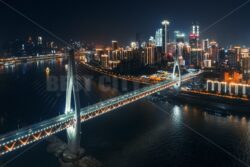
point(124, 83)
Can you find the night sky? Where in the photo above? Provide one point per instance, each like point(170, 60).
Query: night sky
point(101, 21)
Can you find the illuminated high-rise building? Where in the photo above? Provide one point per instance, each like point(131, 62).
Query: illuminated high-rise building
point(158, 37)
point(186, 54)
point(134, 45)
point(245, 64)
point(194, 36)
point(244, 52)
point(196, 51)
point(114, 45)
point(205, 45)
point(214, 52)
point(104, 61)
point(165, 36)
point(149, 53)
point(151, 40)
point(222, 57)
point(196, 29)
point(232, 58)
point(179, 37)
point(238, 56)
point(193, 40)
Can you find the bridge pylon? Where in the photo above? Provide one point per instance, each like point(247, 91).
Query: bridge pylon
point(72, 97)
point(177, 65)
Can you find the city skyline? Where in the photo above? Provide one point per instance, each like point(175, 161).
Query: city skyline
point(124, 83)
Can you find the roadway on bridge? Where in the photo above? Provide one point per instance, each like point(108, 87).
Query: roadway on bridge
point(22, 137)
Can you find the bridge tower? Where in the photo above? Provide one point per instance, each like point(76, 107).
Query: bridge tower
point(72, 97)
point(177, 65)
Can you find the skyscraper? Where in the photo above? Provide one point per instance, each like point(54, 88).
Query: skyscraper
point(232, 58)
point(196, 51)
point(196, 29)
point(165, 36)
point(104, 61)
point(238, 56)
point(245, 64)
point(194, 36)
point(186, 54)
point(149, 52)
point(114, 45)
point(179, 37)
point(158, 37)
point(151, 40)
point(205, 45)
point(214, 52)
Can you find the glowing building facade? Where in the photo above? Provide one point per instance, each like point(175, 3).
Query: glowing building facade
point(165, 36)
point(158, 37)
point(196, 51)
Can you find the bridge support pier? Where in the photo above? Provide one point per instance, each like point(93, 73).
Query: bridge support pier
point(176, 65)
point(72, 93)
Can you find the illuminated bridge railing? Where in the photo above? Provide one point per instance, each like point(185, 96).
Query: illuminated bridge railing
point(30, 134)
point(33, 133)
point(114, 103)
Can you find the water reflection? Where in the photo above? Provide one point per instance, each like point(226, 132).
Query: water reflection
point(177, 112)
point(59, 61)
point(185, 108)
point(39, 63)
point(66, 67)
point(176, 116)
point(24, 67)
point(9, 68)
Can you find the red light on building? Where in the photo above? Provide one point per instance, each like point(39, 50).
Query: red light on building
point(193, 36)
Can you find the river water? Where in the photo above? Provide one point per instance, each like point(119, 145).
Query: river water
point(145, 133)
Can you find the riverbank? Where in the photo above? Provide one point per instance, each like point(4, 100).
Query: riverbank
point(218, 104)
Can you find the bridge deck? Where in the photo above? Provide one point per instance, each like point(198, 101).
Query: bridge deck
point(19, 138)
